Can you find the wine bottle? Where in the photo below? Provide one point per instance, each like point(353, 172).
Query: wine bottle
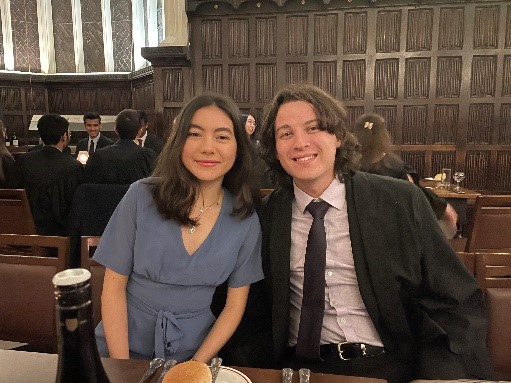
point(79, 360)
point(14, 140)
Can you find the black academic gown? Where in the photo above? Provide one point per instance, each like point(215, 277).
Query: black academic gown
point(50, 178)
point(421, 299)
point(121, 163)
point(152, 141)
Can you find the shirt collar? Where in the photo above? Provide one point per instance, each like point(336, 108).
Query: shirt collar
point(335, 195)
point(95, 139)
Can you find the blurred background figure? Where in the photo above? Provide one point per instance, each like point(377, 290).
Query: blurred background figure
point(250, 124)
point(379, 157)
point(263, 180)
point(145, 138)
point(6, 159)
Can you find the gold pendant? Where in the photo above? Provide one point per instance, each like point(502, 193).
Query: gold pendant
point(192, 230)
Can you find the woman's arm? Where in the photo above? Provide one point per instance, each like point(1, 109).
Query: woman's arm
point(115, 314)
point(225, 325)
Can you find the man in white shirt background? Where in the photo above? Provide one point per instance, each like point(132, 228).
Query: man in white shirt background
point(145, 138)
point(95, 140)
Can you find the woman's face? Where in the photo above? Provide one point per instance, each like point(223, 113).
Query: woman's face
point(250, 125)
point(210, 149)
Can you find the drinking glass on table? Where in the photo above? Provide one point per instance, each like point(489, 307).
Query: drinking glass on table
point(458, 177)
point(287, 375)
point(446, 177)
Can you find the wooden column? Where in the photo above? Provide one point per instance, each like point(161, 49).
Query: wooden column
point(172, 82)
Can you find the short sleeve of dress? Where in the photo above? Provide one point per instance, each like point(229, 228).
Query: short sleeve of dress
point(248, 268)
point(115, 249)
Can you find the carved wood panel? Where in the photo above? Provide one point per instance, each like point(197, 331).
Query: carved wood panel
point(440, 73)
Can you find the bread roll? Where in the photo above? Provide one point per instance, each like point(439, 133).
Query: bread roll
point(189, 372)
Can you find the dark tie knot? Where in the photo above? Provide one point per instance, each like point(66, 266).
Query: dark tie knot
point(318, 209)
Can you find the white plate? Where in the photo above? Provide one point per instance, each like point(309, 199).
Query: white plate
point(230, 375)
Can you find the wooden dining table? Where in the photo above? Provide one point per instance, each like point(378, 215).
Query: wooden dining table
point(24, 367)
point(460, 200)
point(449, 193)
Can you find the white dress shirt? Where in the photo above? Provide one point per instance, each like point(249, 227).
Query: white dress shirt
point(346, 318)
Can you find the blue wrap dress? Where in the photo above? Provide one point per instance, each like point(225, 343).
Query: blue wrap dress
point(169, 292)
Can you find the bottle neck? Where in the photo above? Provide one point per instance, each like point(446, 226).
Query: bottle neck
point(79, 359)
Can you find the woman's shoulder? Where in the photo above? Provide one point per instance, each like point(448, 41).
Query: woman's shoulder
point(141, 188)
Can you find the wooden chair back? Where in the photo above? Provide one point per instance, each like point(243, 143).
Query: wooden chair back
point(90, 214)
point(15, 214)
point(491, 224)
point(27, 300)
point(493, 273)
point(89, 244)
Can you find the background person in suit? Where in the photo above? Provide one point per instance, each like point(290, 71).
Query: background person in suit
point(391, 286)
point(123, 162)
point(50, 177)
point(92, 123)
point(146, 138)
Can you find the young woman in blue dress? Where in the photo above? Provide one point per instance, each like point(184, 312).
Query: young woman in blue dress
point(178, 235)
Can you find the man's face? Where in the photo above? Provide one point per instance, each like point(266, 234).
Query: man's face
point(305, 152)
point(93, 127)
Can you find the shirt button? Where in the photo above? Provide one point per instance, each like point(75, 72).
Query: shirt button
point(343, 320)
point(329, 273)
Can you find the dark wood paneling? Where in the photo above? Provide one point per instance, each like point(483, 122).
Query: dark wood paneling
point(439, 72)
point(24, 95)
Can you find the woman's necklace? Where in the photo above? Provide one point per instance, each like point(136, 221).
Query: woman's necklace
point(203, 209)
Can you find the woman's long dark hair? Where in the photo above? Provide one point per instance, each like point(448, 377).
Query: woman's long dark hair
point(332, 118)
point(176, 189)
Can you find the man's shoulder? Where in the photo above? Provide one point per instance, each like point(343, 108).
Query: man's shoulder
point(70, 160)
point(364, 179)
point(154, 142)
point(105, 150)
point(104, 140)
point(278, 196)
point(367, 186)
point(149, 152)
